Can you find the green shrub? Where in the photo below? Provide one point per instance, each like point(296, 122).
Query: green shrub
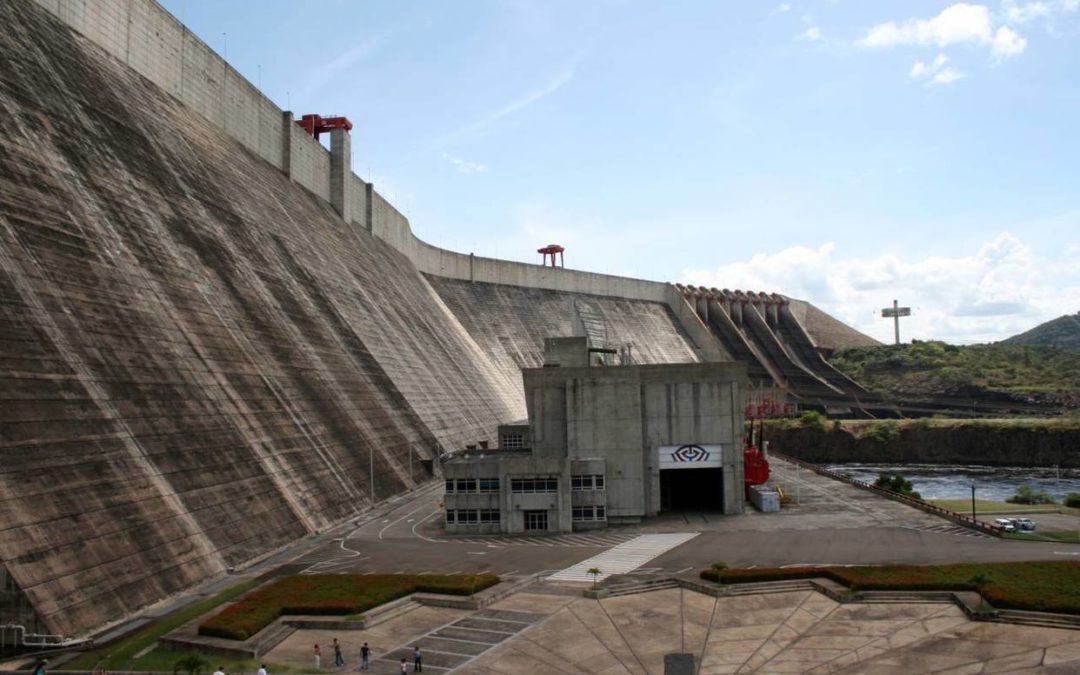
point(812, 419)
point(192, 665)
point(1048, 586)
point(885, 431)
point(1072, 500)
point(895, 482)
point(719, 566)
point(1026, 495)
point(330, 595)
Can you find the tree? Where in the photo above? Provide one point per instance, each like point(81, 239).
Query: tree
point(1026, 495)
point(595, 572)
point(895, 482)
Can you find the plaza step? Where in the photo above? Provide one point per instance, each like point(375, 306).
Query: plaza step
point(1043, 619)
point(784, 586)
point(375, 616)
point(640, 587)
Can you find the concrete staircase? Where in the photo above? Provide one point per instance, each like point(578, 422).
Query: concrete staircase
point(646, 586)
point(1038, 619)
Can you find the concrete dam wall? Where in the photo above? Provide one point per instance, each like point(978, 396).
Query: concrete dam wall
point(214, 338)
point(200, 360)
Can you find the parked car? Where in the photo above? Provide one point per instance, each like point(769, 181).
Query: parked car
point(1024, 524)
point(1005, 524)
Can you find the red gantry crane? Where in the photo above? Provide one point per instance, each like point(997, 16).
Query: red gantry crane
point(552, 250)
point(317, 124)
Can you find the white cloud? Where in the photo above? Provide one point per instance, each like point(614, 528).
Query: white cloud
point(920, 69)
point(998, 290)
point(811, 34)
point(1023, 13)
point(782, 8)
point(960, 23)
point(946, 76)
point(1007, 43)
point(1015, 12)
point(937, 72)
point(465, 166)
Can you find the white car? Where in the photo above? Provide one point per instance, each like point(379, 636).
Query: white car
point(1005, 524)
point(1024, 524)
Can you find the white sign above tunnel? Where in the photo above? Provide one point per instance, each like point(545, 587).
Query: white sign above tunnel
point(690, 456)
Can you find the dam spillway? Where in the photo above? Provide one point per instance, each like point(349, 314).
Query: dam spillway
point(201, 359)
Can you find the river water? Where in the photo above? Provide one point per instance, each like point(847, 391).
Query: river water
point(951, 481)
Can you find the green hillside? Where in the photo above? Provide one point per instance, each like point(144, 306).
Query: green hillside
point(1063, 331)
point(934, 368)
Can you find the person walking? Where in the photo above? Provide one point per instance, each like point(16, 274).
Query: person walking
point(318, 656)
point(39, 669)
point(417, 665)
point(365, 656)
point(339, 660)
point(404, 665)
point(262, 670)
point(220, 670)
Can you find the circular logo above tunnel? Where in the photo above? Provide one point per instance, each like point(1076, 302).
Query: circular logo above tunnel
point(690, 453)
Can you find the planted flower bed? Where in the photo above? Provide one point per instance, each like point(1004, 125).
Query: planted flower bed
point(1045, 586)
point(330, 594)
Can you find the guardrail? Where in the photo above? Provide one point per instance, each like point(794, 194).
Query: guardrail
point(958, 518)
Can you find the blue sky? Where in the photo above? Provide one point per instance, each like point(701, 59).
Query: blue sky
point(844, 152)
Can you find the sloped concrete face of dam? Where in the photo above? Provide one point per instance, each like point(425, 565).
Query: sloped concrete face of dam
point(199, 361)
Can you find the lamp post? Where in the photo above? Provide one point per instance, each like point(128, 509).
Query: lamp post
point(973, 500)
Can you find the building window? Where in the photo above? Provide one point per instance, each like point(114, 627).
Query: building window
point(466, 485)
point(533, 485)
point(587, 513)
point(488, 484)
point(489, 515)
point(513, 441)
point(468, 516)
point(594, 482)
point(450, 485)
point(450, 516)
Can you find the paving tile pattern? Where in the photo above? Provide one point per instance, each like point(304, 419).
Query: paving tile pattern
point(796, 632)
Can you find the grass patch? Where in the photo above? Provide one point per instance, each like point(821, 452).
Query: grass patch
point(986, 506)
point(1065, 537)
point(330, 594)
point(983, 506)
point(164, 660)
point(1046, 586)
point(121, 655)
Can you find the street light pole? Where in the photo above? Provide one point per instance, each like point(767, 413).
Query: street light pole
point(972, 500)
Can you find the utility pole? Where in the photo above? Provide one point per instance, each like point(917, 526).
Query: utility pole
point(895, 313)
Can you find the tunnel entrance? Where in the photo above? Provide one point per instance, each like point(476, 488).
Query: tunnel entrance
point(692, 489)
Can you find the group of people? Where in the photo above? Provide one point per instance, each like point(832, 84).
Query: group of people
point(365, 658)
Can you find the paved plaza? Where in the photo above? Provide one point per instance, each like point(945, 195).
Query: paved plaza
point(548, 629)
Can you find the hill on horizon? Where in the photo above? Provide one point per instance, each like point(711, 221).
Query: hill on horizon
point(1063, 331)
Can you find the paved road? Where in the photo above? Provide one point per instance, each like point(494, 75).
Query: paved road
point(834, 523)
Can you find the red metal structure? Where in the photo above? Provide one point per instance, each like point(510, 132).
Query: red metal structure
point(552, 250)
point(755, 464)
point(316, 124)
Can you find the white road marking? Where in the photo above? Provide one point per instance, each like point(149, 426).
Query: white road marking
point(1066, 552)
point(625, 557)
point(421, 508)
point(685, 569)
point(476, 552)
